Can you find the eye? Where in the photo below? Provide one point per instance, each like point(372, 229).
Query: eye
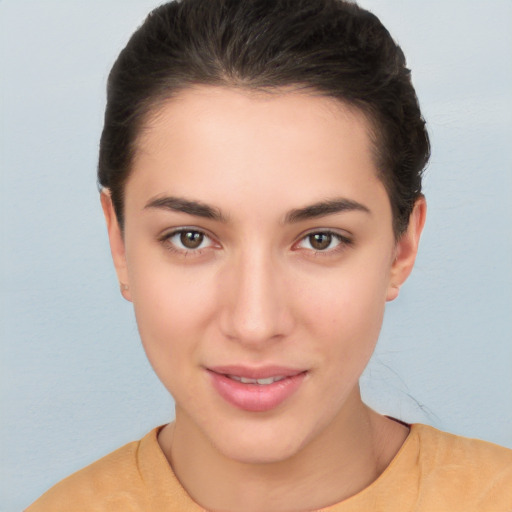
point(323, 241)
point(187, 240)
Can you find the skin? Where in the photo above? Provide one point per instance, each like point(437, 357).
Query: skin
point(256, 292)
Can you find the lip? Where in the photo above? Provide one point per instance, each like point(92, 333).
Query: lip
point(256, 397)
point(262, 372)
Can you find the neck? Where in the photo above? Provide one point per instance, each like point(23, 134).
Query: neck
point(347, 457)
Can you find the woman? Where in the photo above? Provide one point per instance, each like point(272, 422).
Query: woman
point(261, 167)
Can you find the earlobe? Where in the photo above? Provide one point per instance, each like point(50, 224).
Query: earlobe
point(407, 249)
point(117, 247)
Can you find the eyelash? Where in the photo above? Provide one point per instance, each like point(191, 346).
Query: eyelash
point(343, 242)
point(171, 246)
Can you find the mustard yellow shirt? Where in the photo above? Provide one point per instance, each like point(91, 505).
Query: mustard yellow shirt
point(433, 472)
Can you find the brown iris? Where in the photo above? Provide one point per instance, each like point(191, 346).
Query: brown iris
point(191, 239)
point(320, 241)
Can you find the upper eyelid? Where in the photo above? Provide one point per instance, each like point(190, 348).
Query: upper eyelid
point(167, 233)
point(331, 231)
point(344, 240)
point(343, 235)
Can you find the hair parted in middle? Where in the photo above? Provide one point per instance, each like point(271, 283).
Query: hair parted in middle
point(328, 47)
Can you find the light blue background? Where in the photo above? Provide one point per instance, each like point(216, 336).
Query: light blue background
point(74, 380)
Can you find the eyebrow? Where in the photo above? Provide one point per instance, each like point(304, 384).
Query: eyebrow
point(313, 211)
point(323, 208)
point(178, 204)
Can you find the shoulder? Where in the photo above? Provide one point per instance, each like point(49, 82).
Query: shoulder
point(459, 450)
point(110, 483)
point(467, 470)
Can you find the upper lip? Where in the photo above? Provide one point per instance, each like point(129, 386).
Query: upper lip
point(259, 372)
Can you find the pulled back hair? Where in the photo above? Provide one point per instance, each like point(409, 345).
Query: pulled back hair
point(328, 47)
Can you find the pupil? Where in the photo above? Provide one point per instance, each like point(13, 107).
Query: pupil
point(320, 241)
point(191, 239)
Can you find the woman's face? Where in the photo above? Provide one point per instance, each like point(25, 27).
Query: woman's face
point(259, 254)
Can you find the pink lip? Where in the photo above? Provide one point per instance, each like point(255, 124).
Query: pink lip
point(256, 397)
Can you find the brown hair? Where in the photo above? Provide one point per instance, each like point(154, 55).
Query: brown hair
point(332, 47)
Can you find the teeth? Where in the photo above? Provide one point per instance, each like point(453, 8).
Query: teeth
point(261, 382)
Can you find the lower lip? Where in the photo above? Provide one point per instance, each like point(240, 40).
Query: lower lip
point(256, 397)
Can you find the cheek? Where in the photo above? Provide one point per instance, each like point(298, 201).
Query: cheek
point(349, 301)
point(173, 306)
point(345, 311)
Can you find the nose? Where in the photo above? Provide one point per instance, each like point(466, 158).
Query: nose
point(256, 309)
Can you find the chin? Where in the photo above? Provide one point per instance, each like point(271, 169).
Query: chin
point(255, 453)
point(260, 445)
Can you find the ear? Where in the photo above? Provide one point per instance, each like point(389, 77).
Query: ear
point(406, 249)
point(117, 247)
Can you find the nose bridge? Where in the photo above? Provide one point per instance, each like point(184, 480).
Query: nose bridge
point(256, 310)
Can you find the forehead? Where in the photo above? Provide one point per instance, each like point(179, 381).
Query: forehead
point(203, 111)
point(284, 146)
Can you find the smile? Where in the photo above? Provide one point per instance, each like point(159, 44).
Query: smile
point(256, 390)
point(261, 382)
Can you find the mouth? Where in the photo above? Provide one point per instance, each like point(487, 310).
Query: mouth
point(256, 389)
point(260, 382)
